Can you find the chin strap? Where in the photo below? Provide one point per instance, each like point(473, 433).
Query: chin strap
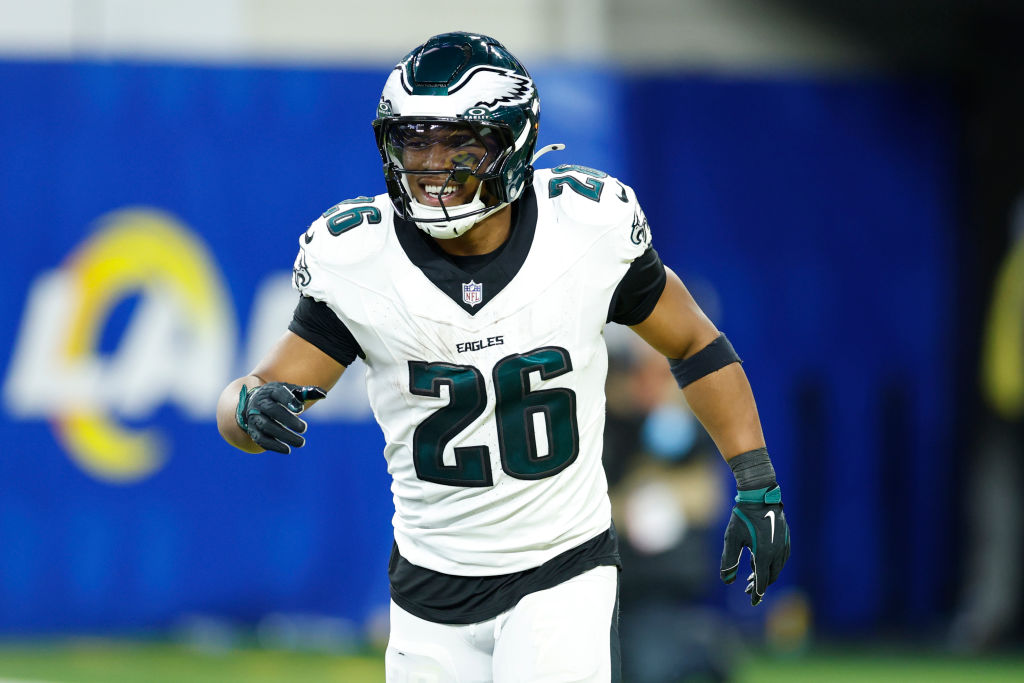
point(453, 227)
point(557, 147)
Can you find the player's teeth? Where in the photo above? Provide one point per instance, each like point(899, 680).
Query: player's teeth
point(436, 190)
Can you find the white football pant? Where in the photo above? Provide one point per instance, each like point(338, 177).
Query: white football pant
point(559, 635)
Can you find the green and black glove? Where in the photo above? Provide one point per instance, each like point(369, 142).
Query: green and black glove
point(269, 414)
point(757, 522)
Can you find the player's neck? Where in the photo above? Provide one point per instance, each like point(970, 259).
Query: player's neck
point(483, 238)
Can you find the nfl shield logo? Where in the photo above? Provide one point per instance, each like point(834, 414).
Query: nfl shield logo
point(472, 292)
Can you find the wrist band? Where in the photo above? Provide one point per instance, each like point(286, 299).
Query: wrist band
point(766, 495)
point(753, 470)
point(714, 356)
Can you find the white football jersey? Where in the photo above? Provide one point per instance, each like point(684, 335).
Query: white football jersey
point(489, 388)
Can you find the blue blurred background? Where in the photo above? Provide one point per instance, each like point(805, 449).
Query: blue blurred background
point(835, 181)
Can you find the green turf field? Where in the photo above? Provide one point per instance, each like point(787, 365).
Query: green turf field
point(96, 661)
point(100, 661)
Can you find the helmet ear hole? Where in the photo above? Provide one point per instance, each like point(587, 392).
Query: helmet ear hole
point(468, 79)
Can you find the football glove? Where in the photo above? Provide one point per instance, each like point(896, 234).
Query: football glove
point(758, 523)
point(269, 414)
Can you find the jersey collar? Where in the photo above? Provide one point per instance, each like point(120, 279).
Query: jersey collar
point(472, 291)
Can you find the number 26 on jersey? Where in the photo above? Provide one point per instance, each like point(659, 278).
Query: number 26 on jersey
point(519, 416)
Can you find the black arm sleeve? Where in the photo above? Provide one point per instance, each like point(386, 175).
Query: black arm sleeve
point(639, 290)
point(315, 322)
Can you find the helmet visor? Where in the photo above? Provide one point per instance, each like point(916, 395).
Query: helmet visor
point(432, 146)
point(445, 163)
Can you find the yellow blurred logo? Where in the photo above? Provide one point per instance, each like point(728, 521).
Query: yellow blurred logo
point(177, 347)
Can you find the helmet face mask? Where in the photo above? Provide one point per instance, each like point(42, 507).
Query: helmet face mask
point(456, 128)
point(444, 170)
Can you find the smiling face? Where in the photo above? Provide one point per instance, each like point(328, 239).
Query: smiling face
point(443, 161)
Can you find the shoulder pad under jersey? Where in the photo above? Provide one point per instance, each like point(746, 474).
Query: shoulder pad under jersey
point(341, 242)
point(587, 196)
point(348, 232)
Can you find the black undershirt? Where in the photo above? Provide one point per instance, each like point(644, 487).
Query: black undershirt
point(472, 263)
point(639, 290)
point(315, 322)
point(448, 599)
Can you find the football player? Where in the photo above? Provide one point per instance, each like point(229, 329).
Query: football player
point(476, 291)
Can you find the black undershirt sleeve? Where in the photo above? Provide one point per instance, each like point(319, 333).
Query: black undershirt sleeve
point(639, 290)
point(315, 322)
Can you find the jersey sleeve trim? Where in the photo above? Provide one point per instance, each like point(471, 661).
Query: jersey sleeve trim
point(315, 322)
point(639, 290)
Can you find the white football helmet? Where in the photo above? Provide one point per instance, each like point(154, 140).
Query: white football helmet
point(459, 108)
